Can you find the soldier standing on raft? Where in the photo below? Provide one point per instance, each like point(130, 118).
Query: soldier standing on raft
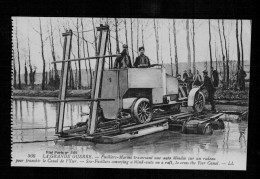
point(142, 61)
point(210, 88)
point(123, 61)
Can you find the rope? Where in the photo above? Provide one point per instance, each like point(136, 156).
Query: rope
point(36, 128)
point(35, 141)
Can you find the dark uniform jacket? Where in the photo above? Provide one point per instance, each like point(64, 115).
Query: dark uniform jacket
point(123, 61)
point(185, 77)
point(215, 75)
point(197, 80)
point(142, 60)
point(208, 84)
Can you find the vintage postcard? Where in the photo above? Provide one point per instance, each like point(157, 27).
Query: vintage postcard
point(130, 93)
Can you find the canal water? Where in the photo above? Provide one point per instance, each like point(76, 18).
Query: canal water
point(35, 121)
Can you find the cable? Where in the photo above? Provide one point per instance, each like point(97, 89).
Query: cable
point(35, 141)
point(36, 128)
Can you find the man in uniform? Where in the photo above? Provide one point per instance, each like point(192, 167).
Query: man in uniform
point(190, 79)
point(142, 61)
point(197, 79)
point(210, 88)
point(185, 76)
point(215, 77)
point(123, 61)
point(242, 76)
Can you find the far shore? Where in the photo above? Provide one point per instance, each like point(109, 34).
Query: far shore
point(52, 100)
point(50, 93)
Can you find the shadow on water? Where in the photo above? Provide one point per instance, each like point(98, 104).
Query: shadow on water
point(242, 127)
point(21, 119)
point(33, 119)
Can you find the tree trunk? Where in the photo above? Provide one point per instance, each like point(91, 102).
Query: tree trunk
point(216, 56)
point(95, 38)
point(137, 34)
point(188, 43)
point(71, 78)
point(223, 56)
point(157, 43)
point(46, 77)
point(142, 36)
point(117, 40)
point(238, 52)
point(56, 74)
point(193, 43)
point(228, 66)
point(170, 48)
point(89, 64)
point(227, 58)
point(14, 74)
point(75, 84)
point(210, 51)
point(30, 64)
point(43, 59)
point(79, 75)
point(132, 44)
point(25, 74)
point(33, 77)
point(18, 58)
point(110, 51)
point(126, 40)
point(175, 47)
point(242, 48)
point(84, 53)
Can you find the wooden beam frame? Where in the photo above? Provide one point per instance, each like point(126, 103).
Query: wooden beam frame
point(63, 82)
point(87, 58)
point(96, 87)
point(78, 100)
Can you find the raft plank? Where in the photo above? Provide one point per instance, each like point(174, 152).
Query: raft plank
point(143, 125)
point(135, 134)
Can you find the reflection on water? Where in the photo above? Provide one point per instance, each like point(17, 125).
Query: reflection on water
point(43, 115)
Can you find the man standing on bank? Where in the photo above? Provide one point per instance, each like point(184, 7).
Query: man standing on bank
point(210, 88)
point(123, 61)
point(142, 61)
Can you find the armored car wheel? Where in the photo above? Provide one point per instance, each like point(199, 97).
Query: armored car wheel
point(141, 111)
point(199, 102)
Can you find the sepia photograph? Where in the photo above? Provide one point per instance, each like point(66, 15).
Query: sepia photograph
point(151, 93)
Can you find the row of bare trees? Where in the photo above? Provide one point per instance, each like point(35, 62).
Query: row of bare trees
point(75, 78)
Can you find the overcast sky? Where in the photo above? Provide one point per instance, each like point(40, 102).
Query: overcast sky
point(28, 27)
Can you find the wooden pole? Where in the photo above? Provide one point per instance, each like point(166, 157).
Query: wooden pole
point(63, 84)
point(96, 88)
